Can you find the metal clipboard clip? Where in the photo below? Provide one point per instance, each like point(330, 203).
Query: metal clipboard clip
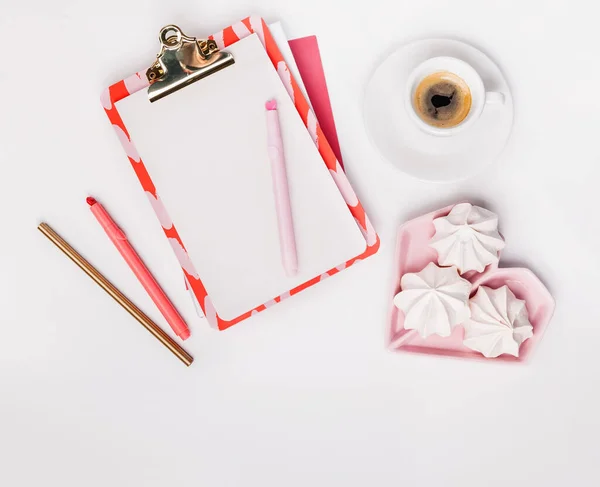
point(182, 60)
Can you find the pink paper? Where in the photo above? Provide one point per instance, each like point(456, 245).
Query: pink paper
point(308, 58)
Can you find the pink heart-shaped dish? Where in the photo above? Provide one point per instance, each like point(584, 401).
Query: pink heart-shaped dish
point(413, 254)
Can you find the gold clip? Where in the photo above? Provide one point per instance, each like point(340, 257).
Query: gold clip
point(183, 60)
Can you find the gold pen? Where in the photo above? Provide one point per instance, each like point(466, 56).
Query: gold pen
point(117, 295)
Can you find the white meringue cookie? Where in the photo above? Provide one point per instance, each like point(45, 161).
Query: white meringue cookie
point(467, 238)
point(434, 300)
point(499, 322)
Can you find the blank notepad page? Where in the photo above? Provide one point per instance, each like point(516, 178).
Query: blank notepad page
point(205, 147)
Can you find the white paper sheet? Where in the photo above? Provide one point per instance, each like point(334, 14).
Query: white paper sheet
point(205, 149)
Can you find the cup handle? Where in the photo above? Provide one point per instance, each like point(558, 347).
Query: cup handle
point(494, 98)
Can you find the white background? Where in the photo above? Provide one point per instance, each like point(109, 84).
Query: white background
point(306, 393)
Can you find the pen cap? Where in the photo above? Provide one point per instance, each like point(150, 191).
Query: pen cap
point(111, 228)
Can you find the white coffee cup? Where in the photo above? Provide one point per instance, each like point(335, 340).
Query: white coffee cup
point(479, 97)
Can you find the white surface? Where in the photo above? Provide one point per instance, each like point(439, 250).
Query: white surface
point(390, 120)
point(304, 394)
point(219, 194)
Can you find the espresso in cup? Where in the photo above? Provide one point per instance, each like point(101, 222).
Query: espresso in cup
point(442, 99)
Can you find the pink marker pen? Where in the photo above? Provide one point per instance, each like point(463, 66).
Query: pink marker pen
point(138, 267)
point(287, 239)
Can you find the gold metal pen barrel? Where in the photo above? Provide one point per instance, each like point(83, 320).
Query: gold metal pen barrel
point(117, 295)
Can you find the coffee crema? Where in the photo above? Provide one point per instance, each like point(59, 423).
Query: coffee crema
point(442, 99)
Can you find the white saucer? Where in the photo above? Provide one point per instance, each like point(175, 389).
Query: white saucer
point(420, 154)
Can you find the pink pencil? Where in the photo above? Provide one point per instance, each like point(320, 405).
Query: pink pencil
point(287, 239)
point(136, 264)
